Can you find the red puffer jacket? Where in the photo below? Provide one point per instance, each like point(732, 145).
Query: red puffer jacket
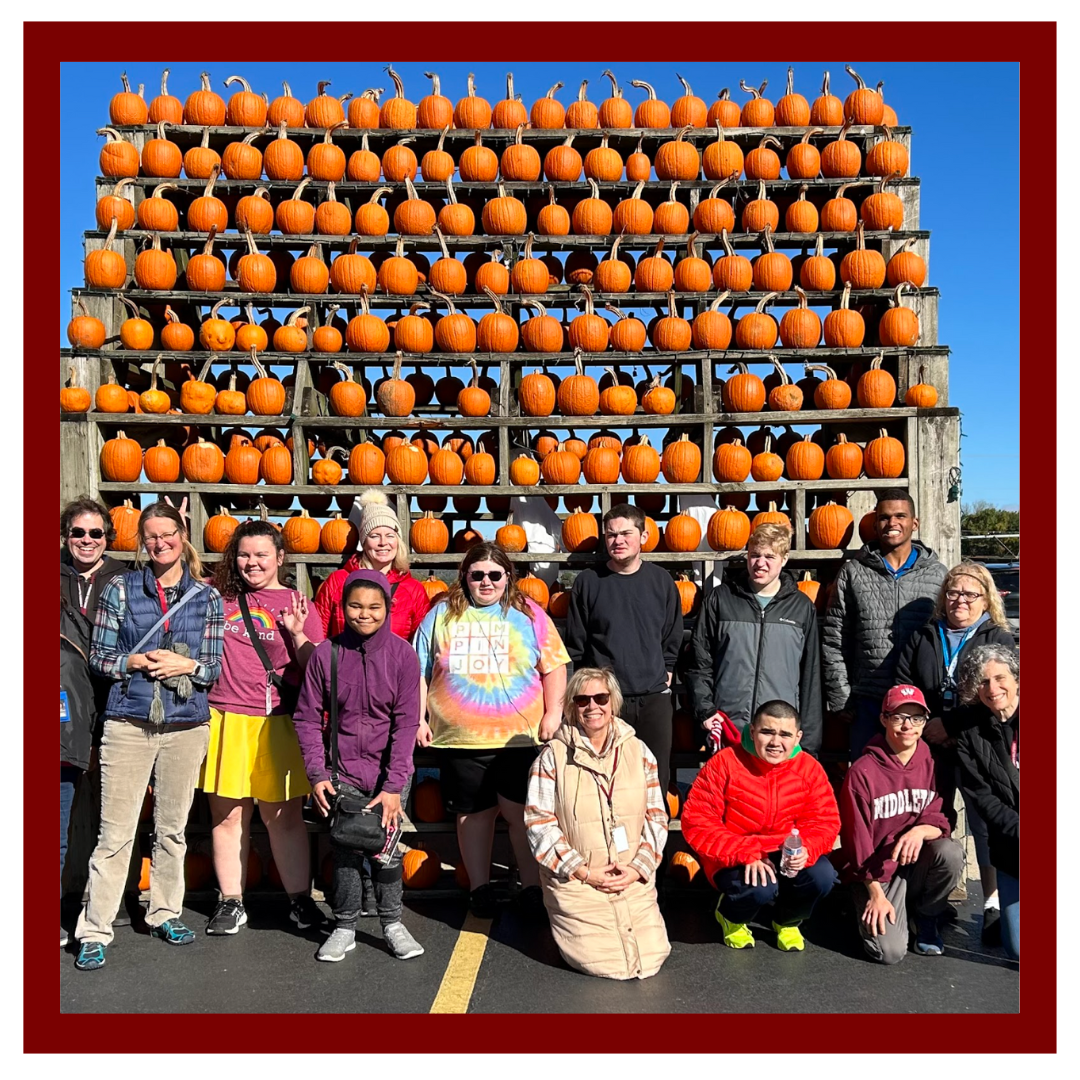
point(740, 809)
point(408, 606)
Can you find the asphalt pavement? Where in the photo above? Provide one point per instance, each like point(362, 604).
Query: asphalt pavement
point(269, 966)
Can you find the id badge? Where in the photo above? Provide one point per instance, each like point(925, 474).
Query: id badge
point(65, 715)
point(618, 838)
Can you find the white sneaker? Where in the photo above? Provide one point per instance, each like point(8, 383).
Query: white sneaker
point(400, 942)
point(334, 948)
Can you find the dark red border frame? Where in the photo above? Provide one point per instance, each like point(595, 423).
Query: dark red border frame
point(1032, 45)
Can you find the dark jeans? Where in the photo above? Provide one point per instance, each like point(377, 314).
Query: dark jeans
point(650, 717)
point(69, 775)
point(347, 890)
point(865, 725)
point(793, 898)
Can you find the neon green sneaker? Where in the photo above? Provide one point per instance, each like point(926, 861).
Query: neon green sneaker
point(789, 938)
point(736, 935)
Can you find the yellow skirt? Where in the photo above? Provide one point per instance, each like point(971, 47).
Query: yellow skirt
point(253, 757)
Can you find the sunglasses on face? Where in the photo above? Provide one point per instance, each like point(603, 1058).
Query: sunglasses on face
point(75, 533)
point(582, 700)
point(494, 576)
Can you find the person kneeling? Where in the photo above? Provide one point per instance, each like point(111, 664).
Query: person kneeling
point(744, 803)
point(372, 678)
point(597, 826)
point(894, 837)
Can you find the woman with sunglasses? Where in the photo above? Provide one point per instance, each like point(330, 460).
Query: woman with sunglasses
point(86, 530)
point(158, 637)
point(968, 614)
point(493, 675)
point(597, 826)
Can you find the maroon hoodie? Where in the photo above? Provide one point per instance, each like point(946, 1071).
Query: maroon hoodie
point(882, 799)
point(378, 706)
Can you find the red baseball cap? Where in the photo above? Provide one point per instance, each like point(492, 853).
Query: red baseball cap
point(904, 695)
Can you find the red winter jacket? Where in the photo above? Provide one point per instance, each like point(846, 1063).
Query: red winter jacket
point(408, 606)
point(740, 809)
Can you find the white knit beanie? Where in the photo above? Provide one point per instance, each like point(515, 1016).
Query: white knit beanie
point(376, 514)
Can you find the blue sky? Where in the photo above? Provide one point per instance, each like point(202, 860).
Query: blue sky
point(971, 216)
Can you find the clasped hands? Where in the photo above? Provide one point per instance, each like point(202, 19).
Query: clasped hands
point(612, 878)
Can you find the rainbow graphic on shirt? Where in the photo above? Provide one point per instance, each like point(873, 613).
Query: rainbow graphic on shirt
point(484, 675)
point(259, 616)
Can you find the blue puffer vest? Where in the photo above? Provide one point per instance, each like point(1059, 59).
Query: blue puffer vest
point(131, 696)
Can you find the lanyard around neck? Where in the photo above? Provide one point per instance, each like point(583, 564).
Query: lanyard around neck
point(164, 604)
point(952, 658)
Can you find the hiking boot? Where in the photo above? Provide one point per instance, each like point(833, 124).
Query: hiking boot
point(340, 942)
point(736, 934)
point(991, 926)
point(305, 912)
point(530, 902)
point(91, 956)
point(400, 942)
point(927, 937)
point(228, 917)
point(482, 901)
point(173, 931)
point(789, 938)
point(368, 906)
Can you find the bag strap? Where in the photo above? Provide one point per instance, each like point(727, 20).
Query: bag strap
point(334, 765)
point(197, 587)
point(256, 642)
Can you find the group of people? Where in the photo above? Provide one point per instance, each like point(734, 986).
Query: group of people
point(226, 684)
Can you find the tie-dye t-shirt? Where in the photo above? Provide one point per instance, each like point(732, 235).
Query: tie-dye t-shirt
point(242, 686)
point(483, 672)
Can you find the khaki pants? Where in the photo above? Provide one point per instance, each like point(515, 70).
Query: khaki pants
point(920, 888)
point(130, 754)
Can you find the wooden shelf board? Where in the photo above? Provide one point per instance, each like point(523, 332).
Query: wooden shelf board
point(439, 421)
point(863, 484)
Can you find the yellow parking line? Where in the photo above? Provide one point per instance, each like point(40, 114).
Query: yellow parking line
point(455, 990)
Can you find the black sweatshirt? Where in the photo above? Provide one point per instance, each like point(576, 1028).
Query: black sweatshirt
point(631, 623)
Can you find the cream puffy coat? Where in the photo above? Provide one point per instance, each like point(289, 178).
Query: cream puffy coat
point(610, 935)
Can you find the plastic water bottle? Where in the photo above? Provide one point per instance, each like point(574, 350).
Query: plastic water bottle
point(792, 847)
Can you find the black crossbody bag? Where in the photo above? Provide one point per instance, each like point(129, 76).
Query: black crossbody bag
point(288, 693)
point(352, 824)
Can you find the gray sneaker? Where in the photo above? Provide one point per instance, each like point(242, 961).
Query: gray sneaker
point(335, 947)
point(400, 942)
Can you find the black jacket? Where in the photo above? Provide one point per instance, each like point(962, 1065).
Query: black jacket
point(69, 584)
point(992, 781)
point(69, 592)
point(742, 655)
point(870, 619)
point(76, 735)
point(922, 664)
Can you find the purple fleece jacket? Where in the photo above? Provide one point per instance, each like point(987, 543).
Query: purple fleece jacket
point(378, 705)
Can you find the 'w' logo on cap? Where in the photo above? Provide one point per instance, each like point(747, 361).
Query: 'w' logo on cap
point(907, 691)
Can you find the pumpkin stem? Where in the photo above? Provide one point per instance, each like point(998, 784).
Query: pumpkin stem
point(581, 92)
point(766, 238)
point(729, 251)
point(615, 91)
point(111, 134)
point(255, 360)
point(399, 356)
point(802, 298)
point(752, 91)
point(399, 86)
point(856, 76)
point(687, 92)
point(767, 139)
point(436, 90)
point(845, 296)
point(785, 378)
point(208, 247)
point(641, 84)
point(766, 299)
point(551, 92)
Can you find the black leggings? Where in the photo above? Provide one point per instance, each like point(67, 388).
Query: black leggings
point(650, 717)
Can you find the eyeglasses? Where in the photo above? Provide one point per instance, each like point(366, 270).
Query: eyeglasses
point(494, 576)
point(164, 536)
point(582, 700)
point(896, 719)
point(967, 597)
point(75, 533)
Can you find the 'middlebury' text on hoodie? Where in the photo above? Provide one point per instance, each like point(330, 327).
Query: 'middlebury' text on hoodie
point(881, 799)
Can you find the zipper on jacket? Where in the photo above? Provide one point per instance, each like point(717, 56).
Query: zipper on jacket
point(365, 712)
point(757, 659)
